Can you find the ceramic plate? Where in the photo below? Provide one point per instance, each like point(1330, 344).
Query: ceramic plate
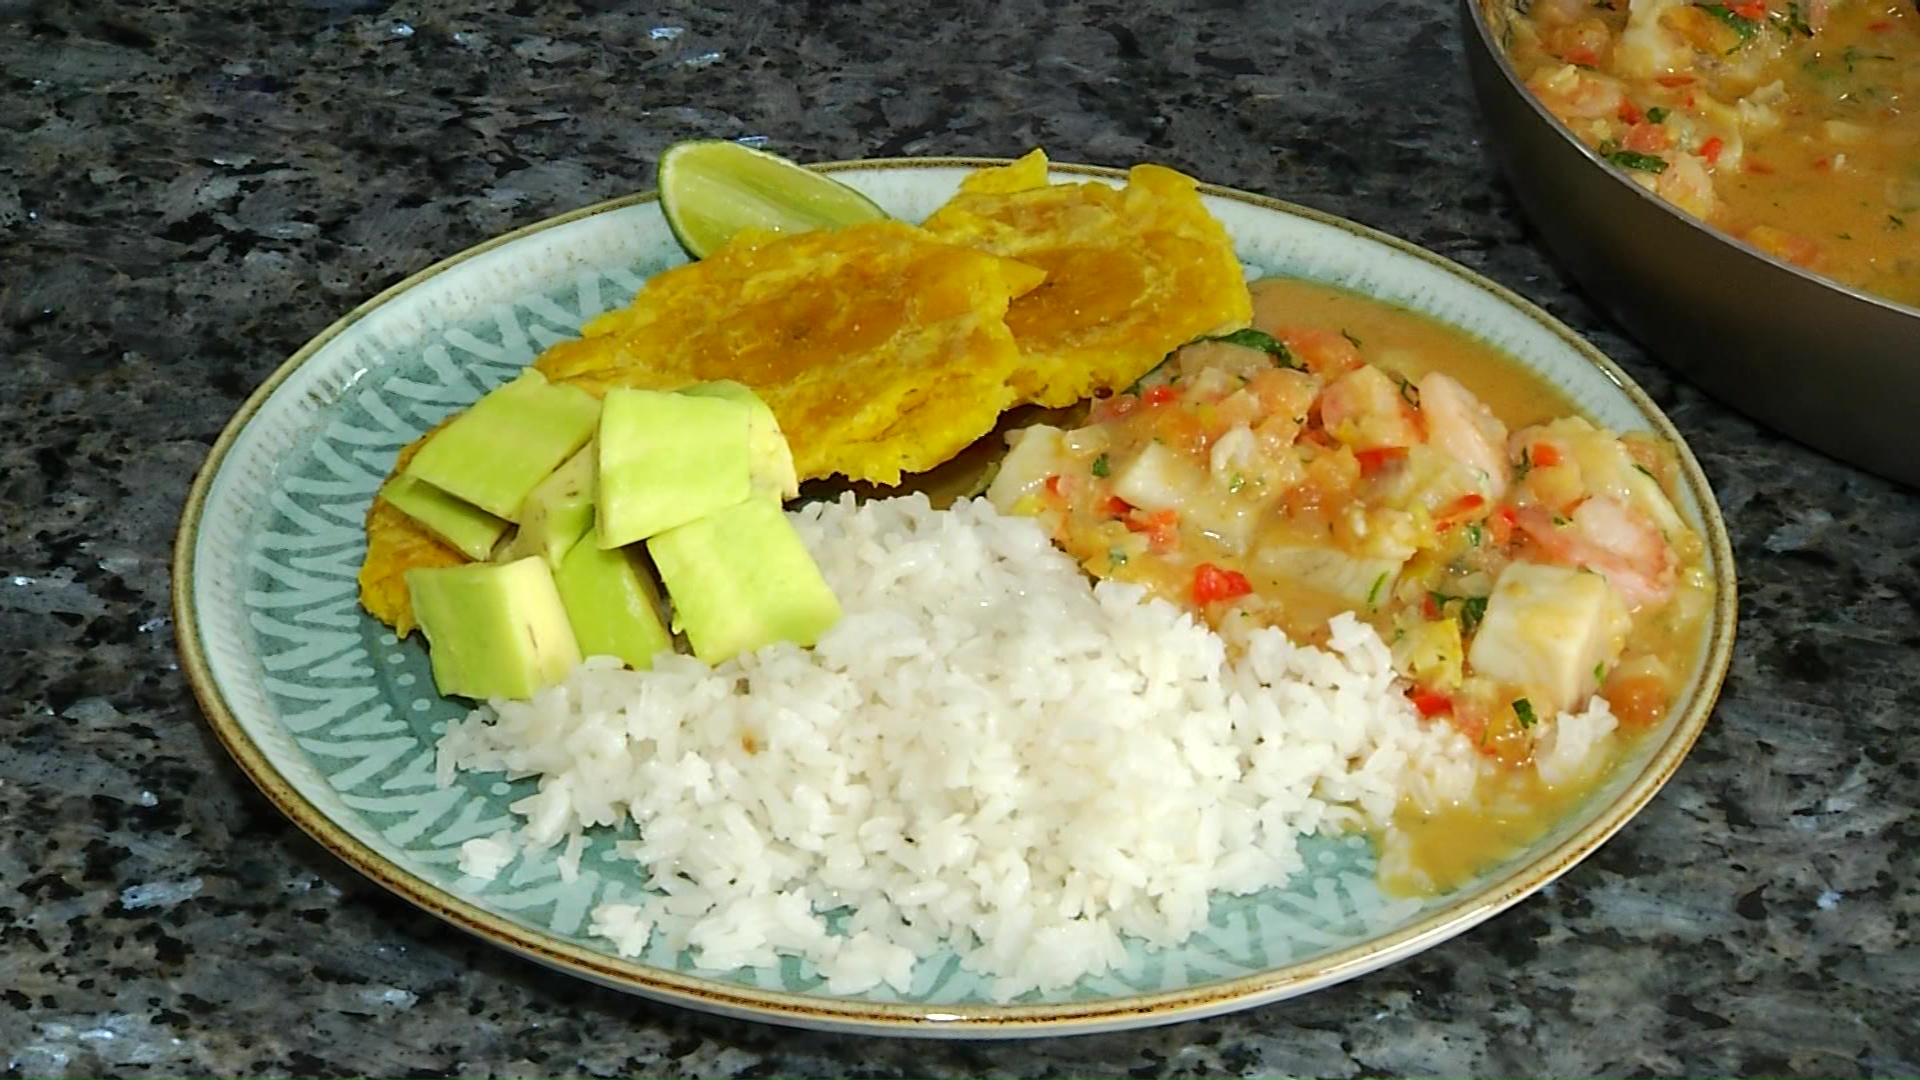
point(336, 720)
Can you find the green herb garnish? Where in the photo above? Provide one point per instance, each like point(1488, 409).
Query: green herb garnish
point(1348, 334)
point(1250, 338)
point(1472, 608)
point(1793, 20)
point(1116, 557)
point(1523, 709)
point(1473, 534)
point(1656, 115)
point(1100, 466)
point(1599, 673)
point(1740, 24)
point(1521, 470)
point(1409, 393)
point(1234, 485)
point(1374, 593)
point(1630, 159)
point(1647, 472)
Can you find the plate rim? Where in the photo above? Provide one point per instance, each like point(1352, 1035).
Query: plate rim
point(972, 1021)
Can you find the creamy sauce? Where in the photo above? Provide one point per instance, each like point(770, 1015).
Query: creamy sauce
point(1255, 482)
point(1793, 126)
point(1437, 851)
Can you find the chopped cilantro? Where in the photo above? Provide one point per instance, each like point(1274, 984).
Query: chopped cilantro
point(1740, 24)
point(1116, 557)
point(1250, 338)
point(1473, 534)
point(1599, 673)
point(1348, 334)
point(1630, 159)
point(1523, 709)
point(1100, 466)
point(1373, 594)
point(1793, 20)
point(1235, 484)
point(1521, 470)
point(1472, 609)
point(1656, 115)
point(1409, 393)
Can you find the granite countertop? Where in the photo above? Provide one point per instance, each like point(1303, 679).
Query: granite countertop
point(189, 191)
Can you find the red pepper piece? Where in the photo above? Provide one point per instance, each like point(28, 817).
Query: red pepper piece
point(1211, 584)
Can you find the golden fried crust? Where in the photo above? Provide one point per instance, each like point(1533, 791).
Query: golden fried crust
point(1132, 273)
point(879, 350)
point(395, 545)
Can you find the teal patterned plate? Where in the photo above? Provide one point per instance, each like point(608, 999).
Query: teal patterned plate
point(336, 720)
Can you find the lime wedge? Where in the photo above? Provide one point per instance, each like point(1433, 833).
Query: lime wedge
point(712, 188)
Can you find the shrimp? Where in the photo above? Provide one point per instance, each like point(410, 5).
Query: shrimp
point(1585, 41)
point(1572, 93)
point(1610, 538)
point(1686, 184)
point(1323, 351)
point(1462, 427)
point(1363, 409)
point(1648, 47)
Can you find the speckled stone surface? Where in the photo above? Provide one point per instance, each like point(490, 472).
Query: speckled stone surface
point(190, 190)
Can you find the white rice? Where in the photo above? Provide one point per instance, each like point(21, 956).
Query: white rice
point(988, 753)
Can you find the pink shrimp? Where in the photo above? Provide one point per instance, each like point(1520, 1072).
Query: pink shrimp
point(1610, 538)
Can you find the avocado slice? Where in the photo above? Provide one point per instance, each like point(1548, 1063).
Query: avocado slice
point(472, 531)
point(493, 629)
point(557, 513)
point(496, 452)
point(741, 578)
point(770, 462)
point(667, 459)
point(613, 603)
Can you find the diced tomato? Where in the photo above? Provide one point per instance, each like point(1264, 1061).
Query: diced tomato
point(1457, 511)
point(1645, 138)
point(1372, 461)
point(1118, 506)
point(1158, 395)
point(1748, 9)
point(1639, 701)
point(1880, 26)
point(1430, 702)
point(1162, 528)
point(1430, 607)
point(1630, 112)
point(1583, 56)
point(1500, 526)
point(1673, 81)
point(1053, 484)
point(1545, 455)
point(1212, 584)
point(1712, 148)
